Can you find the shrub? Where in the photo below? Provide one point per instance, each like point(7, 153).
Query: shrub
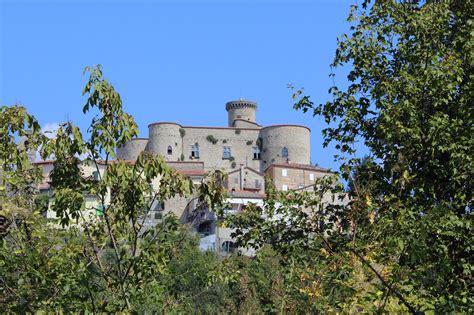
point(211, 139)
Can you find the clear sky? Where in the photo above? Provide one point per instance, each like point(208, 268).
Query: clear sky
point(175, 61)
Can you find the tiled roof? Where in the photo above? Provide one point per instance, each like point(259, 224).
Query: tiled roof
point(249, 168)
point(191, 172)
point(300, 166)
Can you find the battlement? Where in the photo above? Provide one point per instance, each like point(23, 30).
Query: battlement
point(240, 104)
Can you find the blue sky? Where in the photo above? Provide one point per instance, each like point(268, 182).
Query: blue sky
point(172, 60)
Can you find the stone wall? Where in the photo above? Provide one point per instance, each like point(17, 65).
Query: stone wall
point(295, 138)
point(165, 136)
point(240, 141)
point(246, 178)
point(132, 149)
point(296, 177)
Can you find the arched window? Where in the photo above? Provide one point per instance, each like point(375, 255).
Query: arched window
point(170, 150)
point(195, 151)
point(284, 152)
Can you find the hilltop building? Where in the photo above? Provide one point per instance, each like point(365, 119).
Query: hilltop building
point(243, 143)
point(245, 150)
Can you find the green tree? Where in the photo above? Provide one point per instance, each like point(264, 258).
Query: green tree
point(107, 263)
point(403, 242)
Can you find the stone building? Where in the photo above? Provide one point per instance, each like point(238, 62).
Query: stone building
point(245, 150)
point(243, 143)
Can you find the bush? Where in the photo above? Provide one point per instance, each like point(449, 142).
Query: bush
point(211, 139)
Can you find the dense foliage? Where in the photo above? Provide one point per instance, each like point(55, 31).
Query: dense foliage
point(404, 241)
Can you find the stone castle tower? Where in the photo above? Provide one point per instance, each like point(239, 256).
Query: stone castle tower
point(242, 142)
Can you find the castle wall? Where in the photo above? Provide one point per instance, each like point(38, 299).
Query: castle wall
point(240, 141)
point(295, 138)
point(131, 149)
point(162, 136)
point(240, 123)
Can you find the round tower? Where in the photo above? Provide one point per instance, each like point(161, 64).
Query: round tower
point(131, 149)
point(241, 110)
point(165, 139)
point(285, 144)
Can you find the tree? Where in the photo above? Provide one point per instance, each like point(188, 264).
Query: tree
point(404, 240)
point(109, 263)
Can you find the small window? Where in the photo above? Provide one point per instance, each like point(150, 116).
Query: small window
point(160, 206)
point(226, 154)
point(256, 153)
point(257, 184)
point(284, 152)
point(195, 151)
point(311, 177)
point(284, 172)
point(228, 247)
point(170, 150)
point(284, 188)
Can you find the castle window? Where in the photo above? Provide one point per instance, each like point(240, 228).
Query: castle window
point(195, 151)
point(170, 150)
point(256, 153)
point(284, 172)
point(284, 187)
point(258, 184)
point(311, 176)
point(284, 152)
point(226, 154)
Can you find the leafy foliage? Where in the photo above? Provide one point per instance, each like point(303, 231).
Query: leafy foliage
point(211, 139)
point(409, 100)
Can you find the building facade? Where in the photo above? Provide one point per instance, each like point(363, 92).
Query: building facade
point(242, 142)
point(246, 151)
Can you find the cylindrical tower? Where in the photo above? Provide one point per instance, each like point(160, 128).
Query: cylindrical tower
point(241, 110)
point(285, 143)
point(165, 140)
point(131, 149)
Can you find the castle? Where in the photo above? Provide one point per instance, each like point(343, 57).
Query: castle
point(246, 151)
point(242, 142)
